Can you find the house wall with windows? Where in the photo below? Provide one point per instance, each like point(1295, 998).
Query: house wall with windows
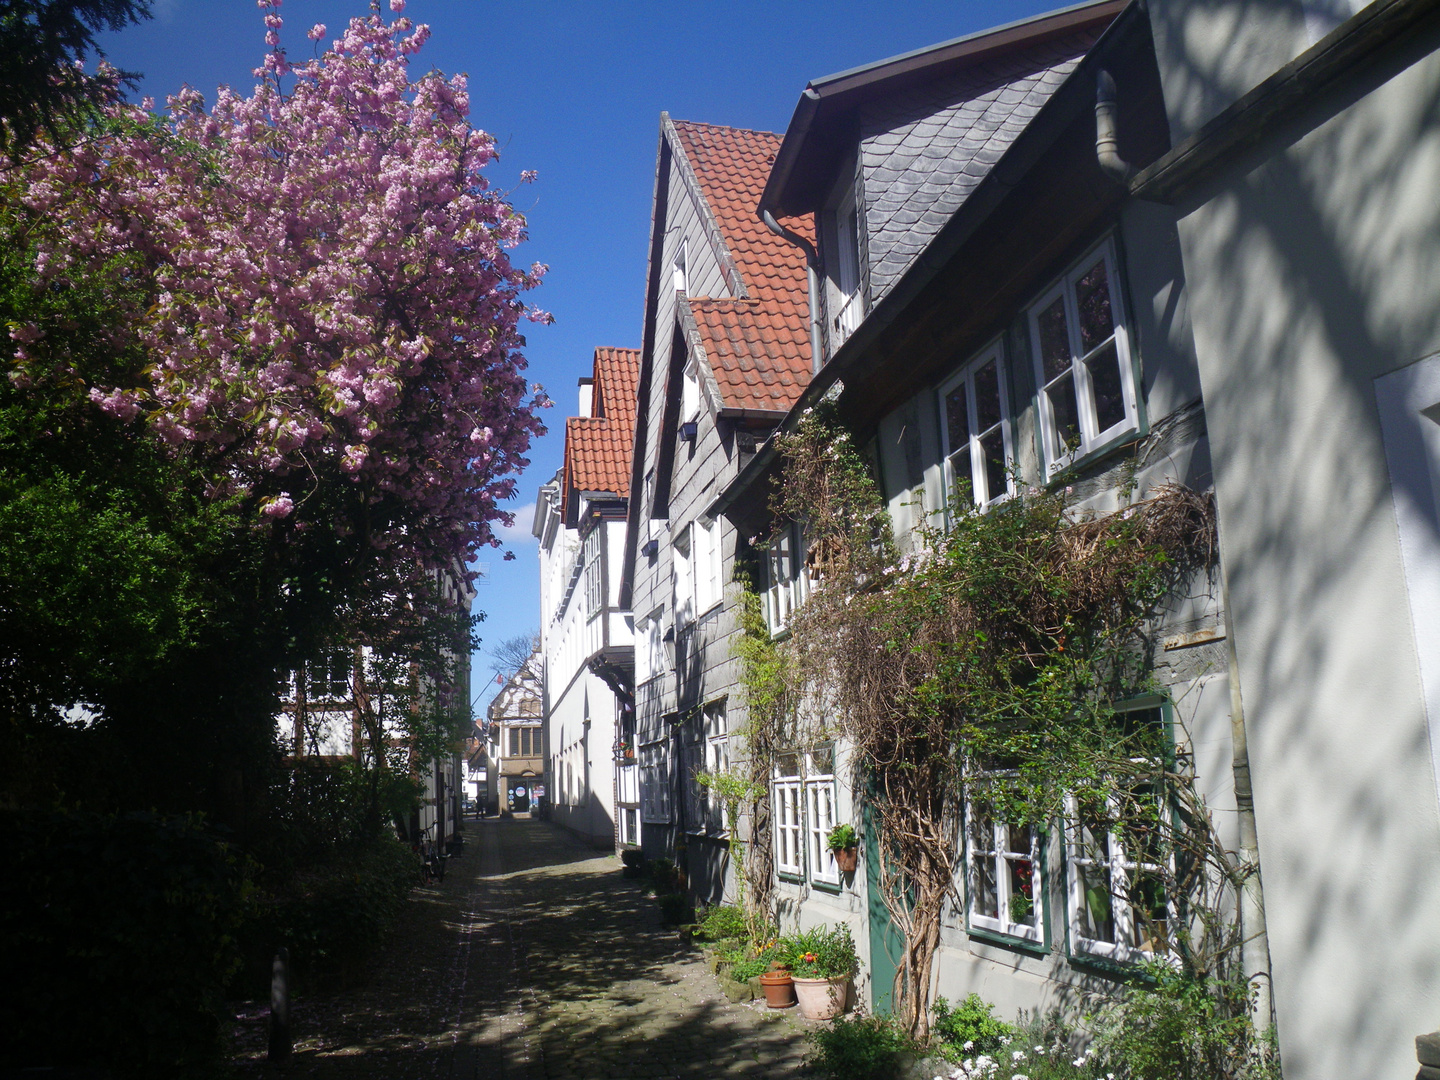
point(587, 636)
point(1032, 329)
point(724, 353)
point(1309, 244)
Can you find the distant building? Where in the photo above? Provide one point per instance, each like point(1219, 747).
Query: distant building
point(587, 634)
point(514, 748)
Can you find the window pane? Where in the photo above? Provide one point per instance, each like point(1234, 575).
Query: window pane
point(1092, 297)
point(1067, 419)
point(957, 417)
point(1097, 920)
point(987, 397)
point(964, 482)
point(1022, 891)
point(983, 897)
point(514, 742)
point(992, 446)
point(1149, 916)
point(1054, 339)
point(822, 760)
point(1105, 378)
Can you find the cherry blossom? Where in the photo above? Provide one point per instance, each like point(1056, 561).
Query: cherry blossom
point(333, 307)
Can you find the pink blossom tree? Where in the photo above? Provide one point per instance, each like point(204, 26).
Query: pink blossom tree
point(329, 312)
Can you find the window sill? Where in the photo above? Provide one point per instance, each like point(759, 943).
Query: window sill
point(1065, 468)
point(1006, 941)
point(834, 888)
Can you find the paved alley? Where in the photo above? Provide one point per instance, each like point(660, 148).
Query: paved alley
point(534, 960)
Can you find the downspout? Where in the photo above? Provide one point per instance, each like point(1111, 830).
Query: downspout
point(812, 281)
point(1254, 940)
point(1107, 146)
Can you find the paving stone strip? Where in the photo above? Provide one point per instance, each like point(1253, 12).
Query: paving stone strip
point(534, 960)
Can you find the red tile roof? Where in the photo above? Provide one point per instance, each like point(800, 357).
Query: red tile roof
point(598, 447)
point(758, 345)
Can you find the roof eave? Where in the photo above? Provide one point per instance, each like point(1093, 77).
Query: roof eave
point(825, 100)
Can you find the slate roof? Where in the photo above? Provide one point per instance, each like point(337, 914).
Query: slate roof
point(924, 150)
point(598, 447)
point(757, 341)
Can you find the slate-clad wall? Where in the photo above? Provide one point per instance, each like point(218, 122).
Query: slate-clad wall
point(922, 152)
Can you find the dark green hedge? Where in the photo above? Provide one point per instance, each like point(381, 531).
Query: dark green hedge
point(117, 937)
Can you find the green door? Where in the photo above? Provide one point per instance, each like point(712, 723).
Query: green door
point(887, 944)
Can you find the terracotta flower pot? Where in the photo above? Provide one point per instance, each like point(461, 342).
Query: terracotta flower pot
point(779, 989)
point(845, 859)
point(820, 999)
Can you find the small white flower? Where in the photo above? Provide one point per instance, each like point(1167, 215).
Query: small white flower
point(1017, 1055)
point(969, 1045)
point(1005, 1040)
point(1079, 1062)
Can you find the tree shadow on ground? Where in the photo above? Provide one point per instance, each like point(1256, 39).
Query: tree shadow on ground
point(535, 958)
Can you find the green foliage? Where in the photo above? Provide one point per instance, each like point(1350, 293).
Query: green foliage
point(675, 908)
point(968, 1029)
point(1183, 1028)
point(41, 42)
point(724, 922)
point(823, 953)
point(117, 934)
point(664, 875)
point(330, 914)
point(757, 957)
point(862, 1048)
point(842, 837)
point(977, 669)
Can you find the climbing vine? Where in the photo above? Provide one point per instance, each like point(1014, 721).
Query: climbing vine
point(973, 670)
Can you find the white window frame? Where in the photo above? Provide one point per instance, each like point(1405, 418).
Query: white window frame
point(787, 812)
point(705, 555)
point(678, 269)
point(785, 589)
point(980, 492)
point(820, 797)
point(717, 761)
point(682, 575)
point(999, 858)
point(1119, 864)
point(593, 573)
point(690, 391)
point(1056, 455)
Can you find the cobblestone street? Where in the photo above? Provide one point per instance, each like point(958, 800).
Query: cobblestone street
point(534, 960)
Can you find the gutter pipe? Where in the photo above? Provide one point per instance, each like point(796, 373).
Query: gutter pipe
point(812, 281)
point(1107, 147)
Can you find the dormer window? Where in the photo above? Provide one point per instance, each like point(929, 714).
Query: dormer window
point(849, 307)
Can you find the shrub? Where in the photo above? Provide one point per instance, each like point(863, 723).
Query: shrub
point(1183, 1028)
point(675, 908)
point(329, 915)
point(117, 938)
point(664, 875)
point(865, 1048)
point(632, 857)
point(819, 953)
point(970, 1028)
point(724, 922)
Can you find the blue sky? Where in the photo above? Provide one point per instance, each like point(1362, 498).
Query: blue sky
point(574, 91)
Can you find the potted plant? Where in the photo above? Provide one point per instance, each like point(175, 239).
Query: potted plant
point(845, 844)
point(822, 964)
point(777, 982)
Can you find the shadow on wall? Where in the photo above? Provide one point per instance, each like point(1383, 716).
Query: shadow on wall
point(1311, 275)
